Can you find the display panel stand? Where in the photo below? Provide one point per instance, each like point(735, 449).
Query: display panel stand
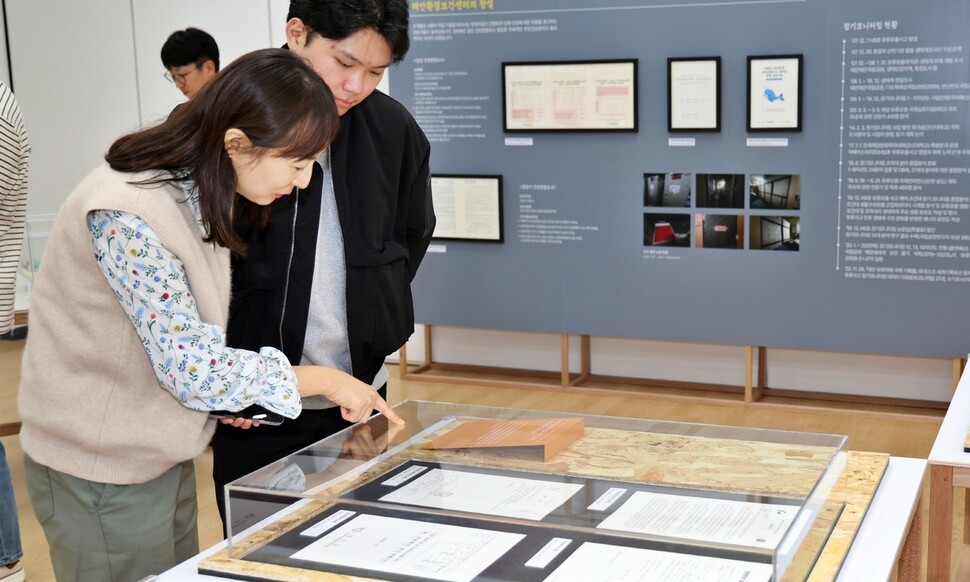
point(754, 388)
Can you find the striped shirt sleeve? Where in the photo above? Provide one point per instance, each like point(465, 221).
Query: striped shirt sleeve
point(14, 153)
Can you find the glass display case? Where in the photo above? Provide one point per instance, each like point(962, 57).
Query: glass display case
point(482, 493)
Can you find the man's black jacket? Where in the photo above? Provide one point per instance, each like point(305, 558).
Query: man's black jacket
point(382, 185)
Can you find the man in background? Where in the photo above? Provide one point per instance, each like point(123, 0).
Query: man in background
point(14, 151)
point(328, 281)
point(191, 57)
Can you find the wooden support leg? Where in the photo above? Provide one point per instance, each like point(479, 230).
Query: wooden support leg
point(958, 364)
point(941, 523)
point(568, 380)
point(753, 393)
point(748, 374)
point(564, 359)
point(911, 555)
point(407, 373)
point(585, 358)
point(762, 372)
point(966, 517)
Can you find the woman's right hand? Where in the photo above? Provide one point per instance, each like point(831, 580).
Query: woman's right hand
point(357, 400)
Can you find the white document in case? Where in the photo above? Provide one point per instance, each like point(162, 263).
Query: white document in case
point(486, 494)
point(411, 548)
point(760, 525)
point(592, 562)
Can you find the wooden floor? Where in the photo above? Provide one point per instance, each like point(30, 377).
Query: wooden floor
point(908, 433)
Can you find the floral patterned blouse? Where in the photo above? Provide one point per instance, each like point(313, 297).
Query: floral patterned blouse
point(190, 357)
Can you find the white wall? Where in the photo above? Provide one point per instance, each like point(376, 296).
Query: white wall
point(74, 72)
point(86, 72)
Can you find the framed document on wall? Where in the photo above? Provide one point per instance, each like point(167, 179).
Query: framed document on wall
point(569, 96)
point(694, 94)
point(467, 207)
point(775, 93)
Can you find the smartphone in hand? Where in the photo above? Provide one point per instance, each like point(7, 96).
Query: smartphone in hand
point(254, 413)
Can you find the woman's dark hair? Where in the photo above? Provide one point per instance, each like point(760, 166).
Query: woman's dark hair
point(338, 19)
point(271, 95)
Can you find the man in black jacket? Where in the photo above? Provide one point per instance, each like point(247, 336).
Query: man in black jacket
point(328, 280)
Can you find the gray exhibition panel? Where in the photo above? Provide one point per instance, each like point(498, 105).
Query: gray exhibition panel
point(846, 235)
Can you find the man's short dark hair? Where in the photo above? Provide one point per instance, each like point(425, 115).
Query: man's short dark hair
point(189, 47)
point(338, 19)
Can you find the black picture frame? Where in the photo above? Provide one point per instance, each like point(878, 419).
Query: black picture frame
point(706, 95)
point(450, 226)
point(619, 115)
point(770, 79)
